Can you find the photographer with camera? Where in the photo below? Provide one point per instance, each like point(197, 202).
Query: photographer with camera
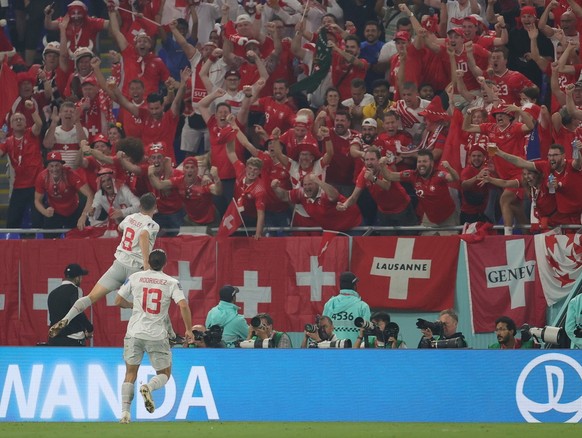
point(441, 333)
point(207, 338)
point(344, 308)
point(379, 333)
point(321, 335)
point(225, 314)
point(506, 330)
point(262, 335)
point(573, 324)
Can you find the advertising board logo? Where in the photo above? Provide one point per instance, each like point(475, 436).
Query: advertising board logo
point(550, 386)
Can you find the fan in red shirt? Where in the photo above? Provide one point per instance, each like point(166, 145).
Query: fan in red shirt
point(432, 190)
point(474, 193)
point(95, 108)
point(23, 150)
point(394, 206)
point(300, 133)
point(250, 194)
point(346, 66)
point(462, 51)
point(396, 141)
point(320, 200)
point(509, 136)
point(62, 186)
point(196, 192)
point(81, 29)
point(473, 23)
point(139, 62)
point(277, 108)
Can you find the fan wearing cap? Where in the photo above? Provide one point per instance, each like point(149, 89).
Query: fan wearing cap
point(473, 26)
point(62, 186)
point(392, 201)
point(196, 192)
point(95, 107)
point(474, 193)
point(93, 158)
point(345, 307)
point(253, 66)
point(432, 190)
point(319, 200)
point(82, 29)
point(139, 62)
point(218, 157)
point(66, 137)
point(301, 132)
point(60, 300)
point(48, 70)
point(75, 76)
point(508, 135)
point(23, 151)
point(112, 203)
point(225, 314)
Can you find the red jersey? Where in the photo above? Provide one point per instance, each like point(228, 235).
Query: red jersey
point(218, 155)
point(39, 100)
point(196, 198)
point(486, 41)
point(341, 167)
point(510, 140)
point(482, 61)
point(343, 73)
point(25, 158)
point(150, 69)
point(290, 141)
point(391, 201)
point(277, 114)
point(169, 201)
point(394, 145)
point(132, 125)
point(251, 197)
point(510, 85)
point(568, 197)
point(61, 195)
point(85, 34)
point(90, 172)
point(160, 130)
point(269, 172)
point(324, 213)
point(413, 69)
point(436, 70)
point(474, 199)
point(433, 194)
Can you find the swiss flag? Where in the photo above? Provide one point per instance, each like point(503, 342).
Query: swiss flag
point(503, 280)
point(406, 273)
point(231, 221)
point(559, 260)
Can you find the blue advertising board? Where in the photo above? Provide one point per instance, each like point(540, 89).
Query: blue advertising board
point(84, 384)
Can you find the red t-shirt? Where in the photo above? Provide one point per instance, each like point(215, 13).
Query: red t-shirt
point(481, 59)
point(343, 73)
point(413, 69)
point(62, 195)
point(510, 85)
point(436, 70)
point(197, 199)
point(133, 126)
point(474, 199)
point(277, 115)
point(251, 197)
point(568, 194)
point(510, 140)
point(391, 201)
point(168, 201)
point(83, 35)
point(341, 167)
point(160, 130)
point(269, 172)
point(150, 69)
point(290, 141)
point(433, 194)
point(218, 155)
point(25, 158)
point(324, 213)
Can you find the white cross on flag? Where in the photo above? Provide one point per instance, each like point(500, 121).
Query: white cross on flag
point(231, 221)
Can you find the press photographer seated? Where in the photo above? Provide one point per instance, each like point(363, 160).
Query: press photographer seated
point(442, 333)
point(321, 335)
point(378, 333)
point(262, 335)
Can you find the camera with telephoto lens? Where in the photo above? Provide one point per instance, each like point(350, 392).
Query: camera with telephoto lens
point(313, 328)
point(548, 335)
point(360, 322)
point(211, 337)
point(255, 322)
point(437, 327)
point(340, 343)
point(257, 343)
point(449, 343)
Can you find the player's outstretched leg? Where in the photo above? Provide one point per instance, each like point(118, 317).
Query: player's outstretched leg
point(147, 398)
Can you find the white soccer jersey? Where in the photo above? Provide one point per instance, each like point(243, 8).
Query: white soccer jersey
point(152, 292)
point(67, 143)
point(128, 251)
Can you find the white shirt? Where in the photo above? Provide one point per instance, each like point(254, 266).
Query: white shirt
point(67, 143)
point(124, 200)
point(128, 251)
point(152, 292)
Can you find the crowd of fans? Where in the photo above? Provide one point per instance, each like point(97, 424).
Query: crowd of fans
point(329, 114)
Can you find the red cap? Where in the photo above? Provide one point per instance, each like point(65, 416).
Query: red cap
point(501, 109)
point(190, 160)
point(435, 112)
point(457, 30)
point(25, 76)
point(101, 138)
point(477, 148)
point(308, 147)
point(156, 148)
point(89, 80)
point(402, 35)
point(55, 156)
point(528, 10)
point(472, 20)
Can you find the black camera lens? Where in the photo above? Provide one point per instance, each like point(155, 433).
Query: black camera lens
point(256, 322)
point(310, 328)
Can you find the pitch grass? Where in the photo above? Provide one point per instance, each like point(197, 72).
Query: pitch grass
point(281, 430)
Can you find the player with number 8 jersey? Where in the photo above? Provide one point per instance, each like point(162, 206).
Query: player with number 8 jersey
point(139, 232)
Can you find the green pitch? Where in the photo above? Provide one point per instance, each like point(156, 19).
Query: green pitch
point(281, 430)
